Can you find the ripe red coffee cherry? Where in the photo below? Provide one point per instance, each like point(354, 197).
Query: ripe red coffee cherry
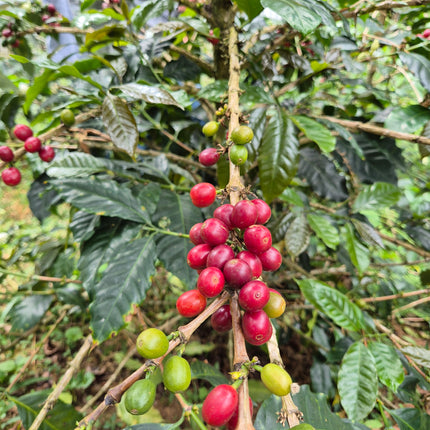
point(22, 132)
point(209, 156)
point(32, 144)
point(219, 256)
point(197, 256)
point(253, 296)
point(51, 9)
point(191, 303)
point(256, 327)
point(244, 214)
point(7, 32)
point(232, 423)
point(426, 33)
point(47, 153)
point(210, 282)
point(195, 235)
point(6, 154)
point(11, 176)
point(252, 261)
point(271, 259)
point(214, 232)
point(257, 238)
point(223, 213)
point(219, 405)
point(221, 319)
point(263, 211)
point(237, 273)
point(203, 194)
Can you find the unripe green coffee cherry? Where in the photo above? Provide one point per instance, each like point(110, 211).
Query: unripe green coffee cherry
point(242, 135)
point(238, 154)
point(210, 128)
point(303, 426)
point(139, 398)
point(176, 374)
point(67, 117)
point(152, 343)
point(276, 379)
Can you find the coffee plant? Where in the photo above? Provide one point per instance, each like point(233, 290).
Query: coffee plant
point(226, 222)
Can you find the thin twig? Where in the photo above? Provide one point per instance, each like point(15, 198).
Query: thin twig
point(396, 296)
point(412, 304)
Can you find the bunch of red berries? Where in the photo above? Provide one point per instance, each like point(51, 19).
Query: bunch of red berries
point(425, 34)
point(9, 35)
point(51, 16)
point(11, 175)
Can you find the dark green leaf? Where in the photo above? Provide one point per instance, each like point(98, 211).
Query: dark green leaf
point(334, 304)
point(315, 132)
point(41, 198)
point(70, 70)
point(376, 197)
point(182, 69)
point(60, 417)
point(150, 9)
point(324, 230)
point(154, 426)
point(83, 225)
point(278, 155)
point(411, 419)
point(123, 284)
point(102, 198)
point(267, 417)
point(368, 233)
point(29, 311)
point(358, 253)
point(420, 234)
point(257, 121)
point(357, 382)
point(322, 381)
point(201, 370)
point(120, 123)
point(297, 237)
point(408, 119)
point(297, 14)
point(251, 7)
point(418, 65)
point(420, 355)
point(214, 92)
point(36, 88)
point(388, 364)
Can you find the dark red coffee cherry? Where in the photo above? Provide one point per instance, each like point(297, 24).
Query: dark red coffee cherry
point(210, 282)
point(47, 153)
point(257, 238)
point(22, 132)
point(197, 256)
point(244, 214)
point(33, 144)
point(221, 319)
point(219, 405)
point(271, 259)
point(191, 303)
point(209, 156)
point(7, 32)
point(11, 176)
point(6, 154)
point(263, 211)
point(219, 256)
point(256, 327)
point(237, 273)
point(232, 423)
point(195, 235)
point(214, 232)
point(51, 9)
point(253, 262)
point(223, 213)
point(253, 296)
point(203, 194)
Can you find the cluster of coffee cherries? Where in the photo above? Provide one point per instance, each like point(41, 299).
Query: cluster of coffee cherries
point(11, 175)
point(9, 37)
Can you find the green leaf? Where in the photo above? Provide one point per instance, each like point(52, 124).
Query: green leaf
point(155, 426)
point(36, 88)
point(368, 233)
point(357, 382)
point(60, 417)
point(334, 304)
point(27, 313)
point(86, 4)
point(407, 119)
point(202, 370)
point(149, 94)
point(297, 237)
point(151, 9)
point(358, 253)
point(418, 65)
point(278, 155)
point(411, 419)
point(70, 70)
point(120, 123)
point(297, 14)
point(324, 230)
point(214, 92)
point(101, 198)
point(251, 7)
point(376, 197)
point(388, 364)
point(267, 417)
point(315, 131)
point(123, 284)
point(420, 355)
point(106, 34)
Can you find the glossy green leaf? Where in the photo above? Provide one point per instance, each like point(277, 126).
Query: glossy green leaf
point(357, 382)
point(324, 229)
point(215, 91)
point(420, 355)
point(150, 9)
point(86, 4)
point(358, 253)
point(278, 155)
point(205, 371)
point(418, 65)
point(100, 197)
point(70, 70)
point(315, 131)
point(376, 197)
point(388, 364)
point(106, 34)
point(149, 94)
point(411, 419)
point(60, 417)
point(120, 123)
point(334, 304)
point(29, 311)
point(407, 119)
point(297, 237)
point(296, 13)
point(155, 426)
point(123, 284)
point(267, 417)
point(39, 84)
point(251, 7)
point(368, 233)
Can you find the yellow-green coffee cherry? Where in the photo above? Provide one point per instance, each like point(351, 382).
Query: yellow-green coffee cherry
point(242, 135)
point(210, 128)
